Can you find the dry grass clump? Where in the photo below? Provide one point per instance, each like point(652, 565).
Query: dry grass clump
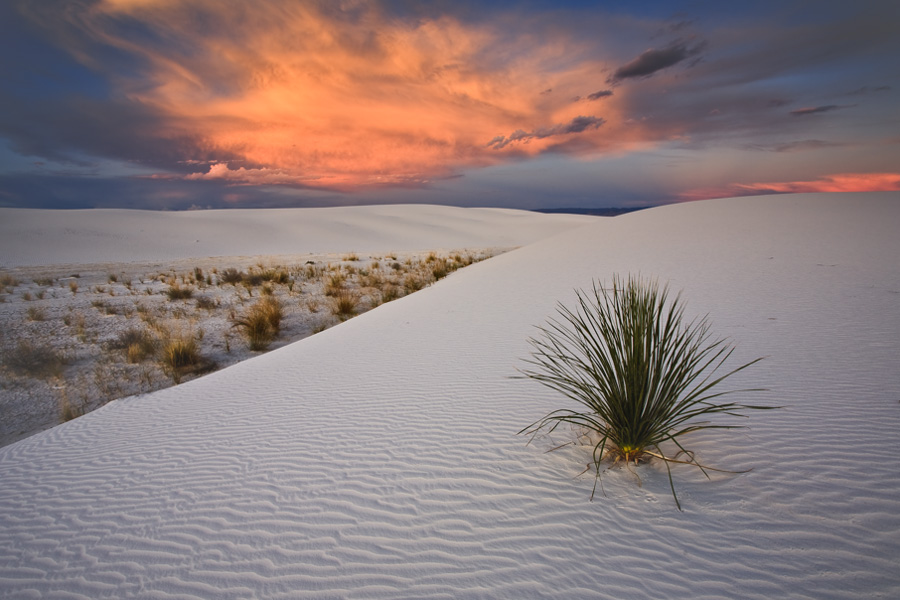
point(180, 356)
point(390, 292)
point(206, 303)
point(137, 343)
point(176, 292)
point(231, 275)
point(7, 281)
point(68, 410)
point(35, 360)
point(344, 304)
point(275, 275)
point(334, 284)
point(261, 323)
point(440, 268)
point(36, 313)
point(414, 282)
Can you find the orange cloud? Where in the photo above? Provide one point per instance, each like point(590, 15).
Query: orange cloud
point(339, 95)
point(842, 182)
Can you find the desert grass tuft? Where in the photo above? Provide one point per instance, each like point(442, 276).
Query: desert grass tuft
point(35, 360)
point(642, 374)
point(8, 281)
point(36, 313)
point(344, 304)
point(206, 303)
point(261, 323)
point(176, 292)
point(180, 355)
point(137, 343)
point(230, 275)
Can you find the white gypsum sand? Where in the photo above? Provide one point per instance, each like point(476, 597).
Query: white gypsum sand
point(379, 458)
point(30, 237)
point(84, 279)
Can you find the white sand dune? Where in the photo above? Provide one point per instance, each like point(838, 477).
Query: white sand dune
point(379, 459)
point(51, 237)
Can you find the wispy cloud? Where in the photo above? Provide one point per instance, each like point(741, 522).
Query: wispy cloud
point(577, 125)
point(814, 110)
point(798, 146)
point(839, 182)
point(600, 94)
point(656, 59)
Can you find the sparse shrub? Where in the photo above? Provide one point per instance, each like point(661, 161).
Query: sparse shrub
point(313, 271)
point(8, 281)
point(137, 343)
point(275, 275)
point(641, 374)
point(176, 292)
point(261, 322)
point(321, 326)
point(252, 279)
point(440, 268)
point(67, 409)
point(206, 303)
point(352, 257)
point(77, 319)
point(36, 313)
point(231, 275)
point(413, 283)
point(35, 360)
point(27, 296)
point(334, 284)
point(344, 304)
point(389, 292)
point(180, 355)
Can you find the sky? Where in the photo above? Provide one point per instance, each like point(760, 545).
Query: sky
point(186, 104)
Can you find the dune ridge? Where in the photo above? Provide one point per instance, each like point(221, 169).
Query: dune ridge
point(34, 237)
point(379, 459)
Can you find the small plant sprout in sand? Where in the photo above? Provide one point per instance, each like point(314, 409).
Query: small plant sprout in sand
point(642, 375)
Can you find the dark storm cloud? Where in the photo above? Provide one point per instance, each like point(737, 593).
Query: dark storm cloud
point(576, 125)
point(59, 191)
point(814, 110)
point(656, 59)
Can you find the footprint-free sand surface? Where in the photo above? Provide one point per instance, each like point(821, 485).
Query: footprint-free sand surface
point(379, 458)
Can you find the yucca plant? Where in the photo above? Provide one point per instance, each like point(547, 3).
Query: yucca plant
point(643, 375)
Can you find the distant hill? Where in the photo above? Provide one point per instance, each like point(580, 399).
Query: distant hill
point(597, 212)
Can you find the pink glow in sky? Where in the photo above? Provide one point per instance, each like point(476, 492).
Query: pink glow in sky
point(369, 101)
